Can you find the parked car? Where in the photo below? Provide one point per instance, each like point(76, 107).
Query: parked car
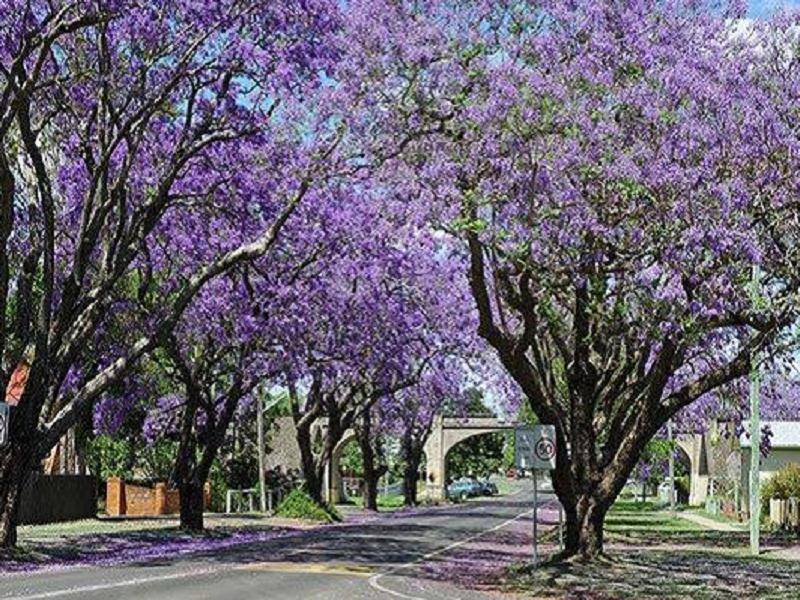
point(464, 488)
point(487, 487)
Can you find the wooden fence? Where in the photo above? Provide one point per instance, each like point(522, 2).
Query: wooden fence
point(785, 513)
point(55, 498)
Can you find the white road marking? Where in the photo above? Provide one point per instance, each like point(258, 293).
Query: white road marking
point(373, 581)
point(131, 582)
point(117, 584)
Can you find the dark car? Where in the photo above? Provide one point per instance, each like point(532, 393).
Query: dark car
point(488, 488)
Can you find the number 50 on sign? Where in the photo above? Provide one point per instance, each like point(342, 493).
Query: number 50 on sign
point(537, 448)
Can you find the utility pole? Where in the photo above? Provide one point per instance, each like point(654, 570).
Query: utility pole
point(671, 469)
point(755, 434)
point(262, 480)
point(535, 511)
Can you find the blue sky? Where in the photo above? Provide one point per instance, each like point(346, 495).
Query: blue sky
point(760, 8)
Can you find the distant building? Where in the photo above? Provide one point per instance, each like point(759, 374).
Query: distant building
point(284, 453)
point(784, 449)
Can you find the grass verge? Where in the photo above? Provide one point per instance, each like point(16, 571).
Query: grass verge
point(654, 555)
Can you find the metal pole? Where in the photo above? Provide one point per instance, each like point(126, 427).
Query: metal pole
point(755, 437)
point(671, 469)
point(560, 527)
point(262, 480)
point(535, 508)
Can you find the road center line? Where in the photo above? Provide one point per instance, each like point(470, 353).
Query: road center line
point(373, 581)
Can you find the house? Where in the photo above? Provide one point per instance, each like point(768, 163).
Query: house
point(784, 449)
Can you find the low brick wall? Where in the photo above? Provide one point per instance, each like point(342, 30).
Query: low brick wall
point(56, 498)
point(125, 499)
point(140, 501)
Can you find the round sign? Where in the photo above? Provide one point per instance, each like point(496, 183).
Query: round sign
point(545, 449)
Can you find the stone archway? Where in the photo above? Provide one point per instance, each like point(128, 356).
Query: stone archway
point(446, 433)
point(333, 485)
point(694, 446)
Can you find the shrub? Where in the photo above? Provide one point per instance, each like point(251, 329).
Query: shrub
point(219, 488)
point(784, 484)
point(682, 489)
point(299, 505)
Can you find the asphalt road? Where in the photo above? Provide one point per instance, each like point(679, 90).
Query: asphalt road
point(378, 559)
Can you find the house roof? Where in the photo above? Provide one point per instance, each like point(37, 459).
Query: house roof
point(785, 434)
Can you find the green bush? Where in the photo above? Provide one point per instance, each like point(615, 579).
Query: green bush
point(784, 484)
point(219, 487)
point(299, 505)
point(682, 489)
point(110, 457)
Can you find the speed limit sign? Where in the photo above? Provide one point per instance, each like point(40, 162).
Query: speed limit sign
point(544, 447)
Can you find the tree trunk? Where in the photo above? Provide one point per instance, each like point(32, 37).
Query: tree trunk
point(313, 483)
point(371, 474)
point(183, 474)
point(583, 535)
point(410, 478)
point(16, 461)
point(412, 454)
point(590, 535)
point(572, 529)
point(13, 475)
point(192, 491)
point(585, 512)
point(191, 512)
point(194, 478)
point(192, 506)
point(370, 489)
point(371, 482)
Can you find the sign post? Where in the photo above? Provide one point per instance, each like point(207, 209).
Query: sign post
point(535, 533)
point(536, 450)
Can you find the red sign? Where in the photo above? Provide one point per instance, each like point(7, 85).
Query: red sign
point(16, 385)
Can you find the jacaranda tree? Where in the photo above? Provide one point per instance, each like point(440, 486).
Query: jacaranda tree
point(619, 174)
point(368, 328)
point(226, 348)
point(114, 116)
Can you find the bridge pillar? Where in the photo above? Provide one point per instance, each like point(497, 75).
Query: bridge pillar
point(435, 462)
point(332, 481)
point(335, 491)
point(694, 447)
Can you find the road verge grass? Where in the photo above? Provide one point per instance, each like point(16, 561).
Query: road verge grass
point(652, 554)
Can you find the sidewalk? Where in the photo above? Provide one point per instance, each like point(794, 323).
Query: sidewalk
point(709, 523)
